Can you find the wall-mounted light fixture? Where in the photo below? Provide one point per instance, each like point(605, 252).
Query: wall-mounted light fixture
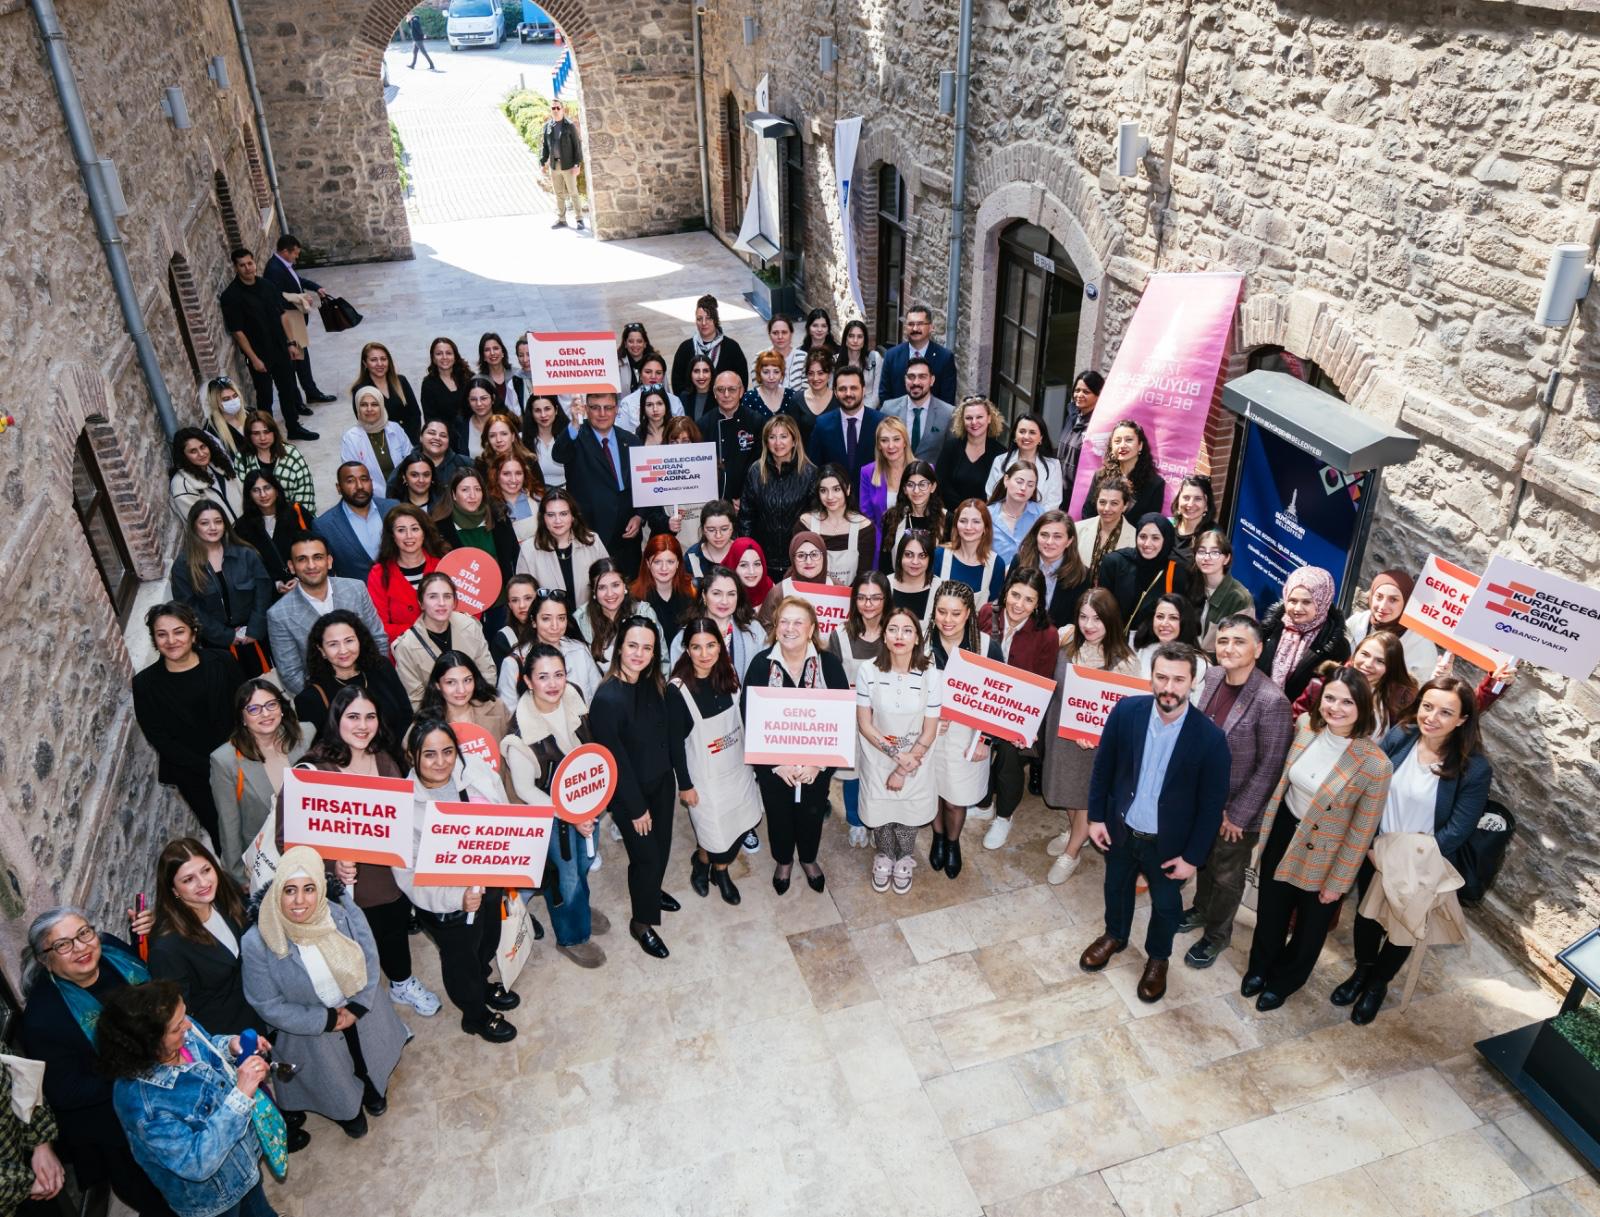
point(1565, 283)
point(827, 53)
point(1131, 147)
point(217, 69)
point(752, 30)
point(175, 108)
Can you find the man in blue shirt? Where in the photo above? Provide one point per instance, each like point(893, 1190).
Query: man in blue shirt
point(1155, 804)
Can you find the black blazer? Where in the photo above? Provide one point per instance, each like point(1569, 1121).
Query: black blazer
point(441, 403)
point(1461, 800)
point(209, 975)
point(730, 358)
point(279, 275)
point(294, 521)
point(593, 481)
point(1063, 604)
point(738, 441)
point(1189, 807)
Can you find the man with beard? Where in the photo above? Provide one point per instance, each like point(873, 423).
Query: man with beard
point(316, 594)
point(1155, 804)
point(353, 527)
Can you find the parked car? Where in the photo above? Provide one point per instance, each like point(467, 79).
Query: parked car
point(475, 23)
point(536, 24)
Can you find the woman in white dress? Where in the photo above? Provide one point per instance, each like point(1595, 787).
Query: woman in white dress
point(960, 753)
point(897, 718)
point(859, 641)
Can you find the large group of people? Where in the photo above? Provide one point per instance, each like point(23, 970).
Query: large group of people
point(332, 641)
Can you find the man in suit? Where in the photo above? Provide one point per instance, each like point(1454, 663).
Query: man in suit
point(316, 595)
point(280, 272)
point(927, 419)
point(257, 317)
point(919, 344)
point(734, 429)
point(353, 527)
point(845, 436)
point(595, 452)
point(1259, 724)
point(1160, 780)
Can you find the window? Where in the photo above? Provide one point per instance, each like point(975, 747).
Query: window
point(230, 220)
point(891, 253)
point(794, 214)
point(1276, 359)
point(98, 516)
point(181, 315)
point(733, 163)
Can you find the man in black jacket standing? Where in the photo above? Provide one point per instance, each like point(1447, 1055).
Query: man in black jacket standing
point(415, 26)
point(253, 311)
point(281, 273)
point(561, 155)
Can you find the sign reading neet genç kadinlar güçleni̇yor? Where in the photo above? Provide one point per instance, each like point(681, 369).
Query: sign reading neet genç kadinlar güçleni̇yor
point(800, 727)
point(483, 845)
point(583, 362)
point(350, 817)
point(1087, 696)
point(994, 698)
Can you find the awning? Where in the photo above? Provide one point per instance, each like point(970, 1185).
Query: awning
point(769, 126)
point(759, 234)
point(1318, 422)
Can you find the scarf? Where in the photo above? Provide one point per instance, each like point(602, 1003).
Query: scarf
point(342, 955)
point(708, 349)
point(810, 669)
point(1296, 640)
point(1405, 585)
point(377, 427)
point(474, 529)
point(84, 1005)
point(755, 596)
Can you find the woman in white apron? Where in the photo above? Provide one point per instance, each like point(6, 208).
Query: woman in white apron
point(970, 556)
point(960, 753)
point(849, 536)
point(897, 715)
point(860, 640)
point(705, 738)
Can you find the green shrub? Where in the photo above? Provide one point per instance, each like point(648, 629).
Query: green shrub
point(528, 112)
point(1581, 1027)
point(399, 156)
point(432, 23)
point(513, 12)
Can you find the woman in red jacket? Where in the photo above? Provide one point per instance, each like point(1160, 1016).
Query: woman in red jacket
point(411, 548)
point(1020, 625)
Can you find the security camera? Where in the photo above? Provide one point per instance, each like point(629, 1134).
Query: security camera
point(1565, 283)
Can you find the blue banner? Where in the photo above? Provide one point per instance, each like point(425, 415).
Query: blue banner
point(1291, 511)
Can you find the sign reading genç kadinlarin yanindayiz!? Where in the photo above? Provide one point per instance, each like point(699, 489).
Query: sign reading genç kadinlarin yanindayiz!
point(1536, 616)
point(575, 362)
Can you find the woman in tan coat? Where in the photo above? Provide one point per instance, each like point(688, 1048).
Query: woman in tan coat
point(439, 629)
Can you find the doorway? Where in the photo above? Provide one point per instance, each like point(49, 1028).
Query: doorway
point(1037, 309)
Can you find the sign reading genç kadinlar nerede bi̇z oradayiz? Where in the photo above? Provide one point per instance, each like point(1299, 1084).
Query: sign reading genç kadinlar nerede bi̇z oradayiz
point(350, 817)
point(994, 698)
point(1536, 616)
point(800, 727)
point(583, 362)
point(1087, 697)
point(483, 845)
point(666, 474)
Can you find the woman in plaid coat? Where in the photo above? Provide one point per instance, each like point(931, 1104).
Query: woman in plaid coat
point(1319, 824)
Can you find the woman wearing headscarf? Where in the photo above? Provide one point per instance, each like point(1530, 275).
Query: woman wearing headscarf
point(1302, 631)
point(311, 969)
point(725, 354)
point(378, 370)
point(808, 563)
point(376, 442)
point(1150, 568)
point(748, 562)
point(1387, 596)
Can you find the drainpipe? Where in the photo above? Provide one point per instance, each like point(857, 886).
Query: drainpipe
point(105, 220)
point(699, 114)
point(267, 163)
point(958, 177)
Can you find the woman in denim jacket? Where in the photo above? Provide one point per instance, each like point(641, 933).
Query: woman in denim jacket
point(185, 1108)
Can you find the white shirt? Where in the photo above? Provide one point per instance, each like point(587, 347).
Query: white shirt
point(628, 408)
point(1311, 770)
point(293, 274)
point(322, 607)
point(217, 926)
point(1413, 793)
point(1050, 487)
point(321, 976)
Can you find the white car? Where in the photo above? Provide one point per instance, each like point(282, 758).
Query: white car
point(475, 23)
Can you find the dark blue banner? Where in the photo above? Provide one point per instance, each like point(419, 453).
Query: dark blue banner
point(1291, 510)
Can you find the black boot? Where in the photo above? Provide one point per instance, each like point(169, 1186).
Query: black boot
point(1354, 985)
point(1371, 1001)
point(725, 885)
point(936, 854)
point(952, 858)
point(1036, 778)
point(700, 876)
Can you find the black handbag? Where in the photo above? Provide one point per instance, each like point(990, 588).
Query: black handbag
point(1482, 854)
point(338, 315)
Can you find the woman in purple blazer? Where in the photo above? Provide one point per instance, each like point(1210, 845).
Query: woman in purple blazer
point(877, 492)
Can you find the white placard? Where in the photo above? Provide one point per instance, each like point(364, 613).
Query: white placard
point(665, 474)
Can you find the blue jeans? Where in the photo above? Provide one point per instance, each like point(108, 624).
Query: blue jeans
point(852, 802)
point(571, 920)
point(1126, 861)
point(252, 1204)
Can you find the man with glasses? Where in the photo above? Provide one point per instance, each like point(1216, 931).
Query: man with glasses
point(561, 156)
point(316, 595)
point(594, 451)
point(735, 430)
point(919, 344)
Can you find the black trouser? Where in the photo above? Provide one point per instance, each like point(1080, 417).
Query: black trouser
point(1126, 860)
point(418, 49)
point(792, 827)
point(279, 375)
point(1373, 948)
point(1286, 961)
point(195, 787)
point(302, 371)
point(465, 954)
point(1005, 777)
point(391, 931)
point(648, 852)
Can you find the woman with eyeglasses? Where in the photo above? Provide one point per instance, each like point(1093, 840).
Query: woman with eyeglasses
point(548, 623)
point(610, 604)
point(856, 351)
point(271, 523)
point(631, 350)
point(847, 536)
point(247, 770)
point(718, 520)
point(858, 641)
point(399, 402)
point(808, 563)
point(919, 508)
point(201, 472)
point(410, 550)
point(970, 452)
point(1215, 594)
point(629, 718)
point(228, 587)
point(444, 384)
point(776, 490)
point(341, 653)
point(267, 451)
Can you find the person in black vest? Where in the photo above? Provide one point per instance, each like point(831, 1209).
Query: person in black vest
point(561, 156)
point(256, 315)
point(594, 451)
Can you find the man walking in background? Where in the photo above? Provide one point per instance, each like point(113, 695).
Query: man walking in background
point(415, 26)
point(561, 156)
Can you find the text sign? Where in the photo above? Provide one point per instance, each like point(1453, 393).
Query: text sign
point(584, 783)
point(576, 362)
point(832, 604)
point(476, 576)
point(666, 474)
point(349, 817)
point(1087, 696)
point(1435, 608)
point(800, 727)
point(473, 740)
point(483, 845)
point(1536, 616)
point(994, 698)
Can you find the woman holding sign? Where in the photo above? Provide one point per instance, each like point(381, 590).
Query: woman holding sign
point(858, 641)
point(707, 745)
point(464, 921)
point(247, 770)
point(457, 693)
point(808, 563)
point(476, 521)
point(897, 716)
point(629, 717)
point(795, 797)
point(1387, 595)
point(960, 756)
point(440, 628)
point(847, 535)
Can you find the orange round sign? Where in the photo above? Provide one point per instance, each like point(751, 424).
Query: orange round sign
point(476, 575)
point(473, 740)
point(584, 783)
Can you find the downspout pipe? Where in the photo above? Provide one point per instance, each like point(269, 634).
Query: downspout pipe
point(696, 8)
point(958, 178)
point(269, 165)
point(105, 220)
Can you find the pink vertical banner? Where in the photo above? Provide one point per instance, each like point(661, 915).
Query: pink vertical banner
point(1164, 375)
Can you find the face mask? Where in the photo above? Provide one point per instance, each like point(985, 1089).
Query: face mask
point(232, 406)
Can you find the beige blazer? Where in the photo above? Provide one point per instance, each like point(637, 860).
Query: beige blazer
point(542, 565)
point(1089, 529)
point(415, 654)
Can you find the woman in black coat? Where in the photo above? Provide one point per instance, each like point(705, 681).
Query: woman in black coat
point(340, 652)
point(226, 583)
point(377, 369)
point(272, 522)
point(1141, 574)
point(725, 354)
point(777, 489)
point(200, 921)
point(1302, 631)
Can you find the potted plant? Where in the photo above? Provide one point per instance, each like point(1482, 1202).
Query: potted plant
point(1565, 1060)
point(765, 281)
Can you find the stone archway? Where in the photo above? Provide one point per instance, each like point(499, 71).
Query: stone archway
point(320, 74)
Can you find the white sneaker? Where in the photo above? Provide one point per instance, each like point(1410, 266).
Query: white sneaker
point(1058, 845)
point(998, 833)
point(983, 812)
point(882, 868)
point(1061, 869)
point(858, 836)
point(616, 833)
point(412, 992)
point(594, 862)
point(902, 875)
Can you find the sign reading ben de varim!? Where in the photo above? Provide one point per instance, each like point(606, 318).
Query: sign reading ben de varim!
point(576, 362)
point(1536, 616)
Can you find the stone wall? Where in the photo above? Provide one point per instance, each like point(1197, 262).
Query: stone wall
point(1391, 183)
